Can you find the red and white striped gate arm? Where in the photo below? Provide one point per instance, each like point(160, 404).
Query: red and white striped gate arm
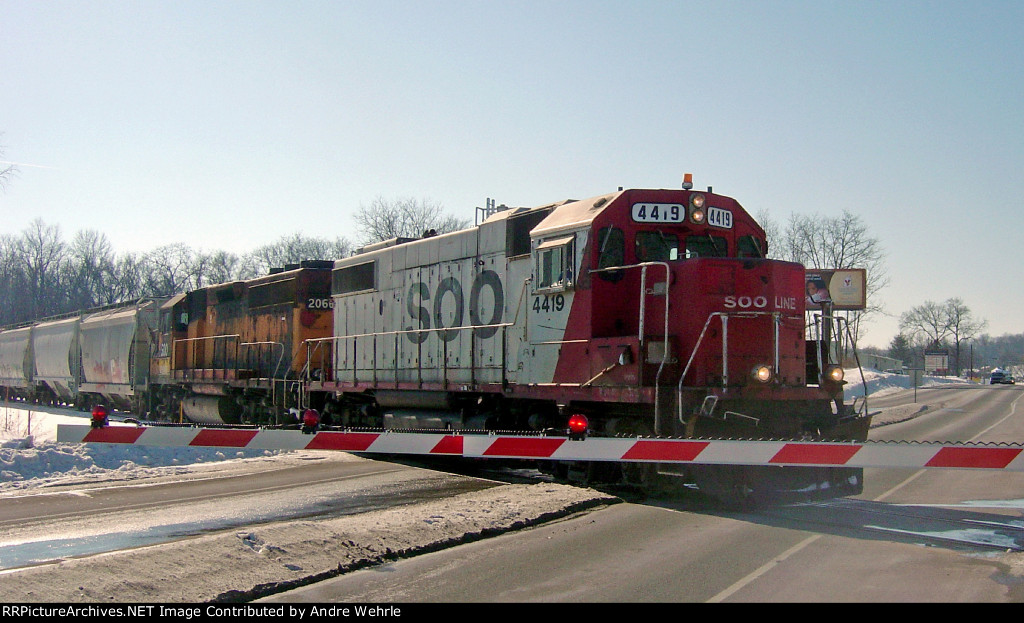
point(709, 452)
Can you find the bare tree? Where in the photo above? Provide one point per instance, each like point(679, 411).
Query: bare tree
point(126, 282)
point(42, 251)
point(13, 287)
point(7, 170)
point(963, 326)
point(933, 323)
point(404, 218)
point(215, 267)
point(89, 270)
point(772, 230)
point(168, 270)
point(834, 243)
point(928, 322)
point(291, 249)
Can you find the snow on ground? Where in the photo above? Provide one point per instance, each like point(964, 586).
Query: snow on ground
point(884, 383)
point(245, 563)
point(31, 457)
point(239, 565)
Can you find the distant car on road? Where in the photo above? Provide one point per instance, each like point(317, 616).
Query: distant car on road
point(999, 377)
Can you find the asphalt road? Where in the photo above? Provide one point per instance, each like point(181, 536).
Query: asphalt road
point(914, 535)
point(83, 519)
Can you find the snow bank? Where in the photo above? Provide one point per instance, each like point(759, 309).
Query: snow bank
point(31, 457)
point(243, 564)
point(883, 383)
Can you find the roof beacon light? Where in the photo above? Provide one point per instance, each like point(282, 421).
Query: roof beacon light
point(687, 181)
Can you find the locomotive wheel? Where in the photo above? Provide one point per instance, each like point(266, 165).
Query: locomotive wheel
point(747, 487)
point(739, 487)
point(590, 472)
point(641, 475)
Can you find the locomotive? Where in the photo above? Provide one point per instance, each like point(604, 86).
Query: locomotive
point(231, 353)
point(638, 313)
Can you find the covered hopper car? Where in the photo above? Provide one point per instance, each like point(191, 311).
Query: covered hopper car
point(97, 356)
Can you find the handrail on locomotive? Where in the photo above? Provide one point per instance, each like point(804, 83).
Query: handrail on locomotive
point(820, 326)
point(232, 364)
point(225, 358)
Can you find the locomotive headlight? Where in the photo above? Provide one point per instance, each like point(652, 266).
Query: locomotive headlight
point(697, 214)
point(834, 374)
point(763, 374)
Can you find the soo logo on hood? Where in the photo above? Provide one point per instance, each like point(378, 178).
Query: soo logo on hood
point(760, 302)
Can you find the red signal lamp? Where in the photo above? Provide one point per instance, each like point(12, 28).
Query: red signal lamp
point(310, 421)
point(99, 416)
point(578, 425)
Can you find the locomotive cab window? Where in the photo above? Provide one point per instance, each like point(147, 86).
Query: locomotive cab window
point(706, 246)
point(749, 246)
point(554, 264)
point(611, 245)
point(654, 246)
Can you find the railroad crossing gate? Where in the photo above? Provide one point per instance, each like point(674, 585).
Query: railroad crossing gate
point(911, 455)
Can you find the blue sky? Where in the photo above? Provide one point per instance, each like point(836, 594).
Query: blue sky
point(226, 125)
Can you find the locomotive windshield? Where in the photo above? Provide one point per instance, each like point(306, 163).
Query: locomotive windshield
point(657, 246)
point(706, 246)
point(749, 246)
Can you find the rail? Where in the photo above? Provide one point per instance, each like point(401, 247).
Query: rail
point(820, 328)
point(190, 351)
point(324, 348)
point(329, 349)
